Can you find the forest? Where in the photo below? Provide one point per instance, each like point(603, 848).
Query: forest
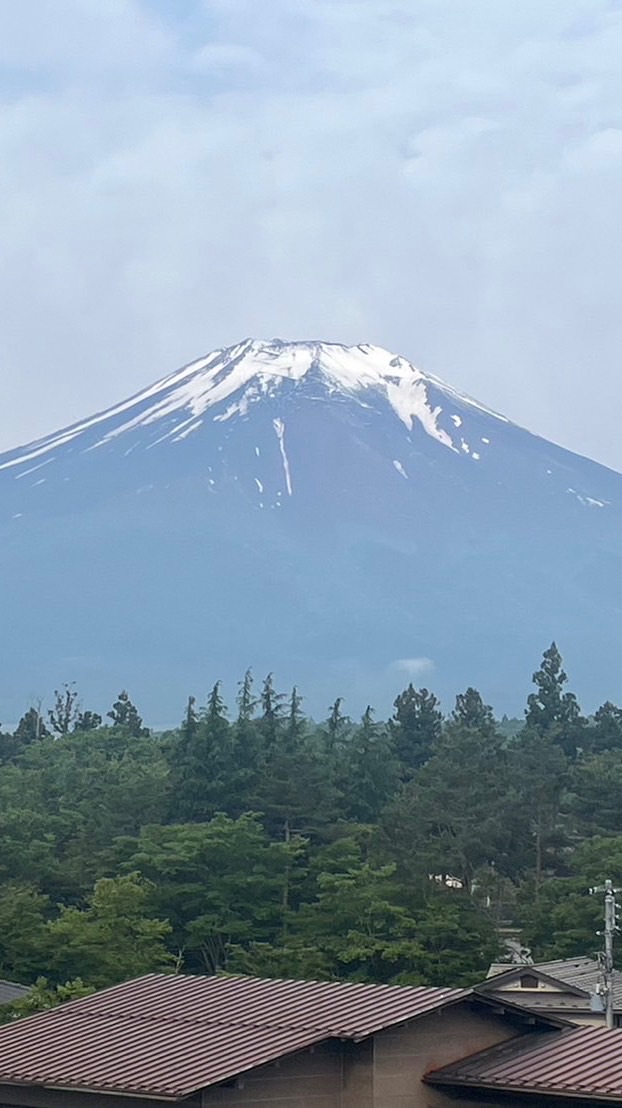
point(254, 840)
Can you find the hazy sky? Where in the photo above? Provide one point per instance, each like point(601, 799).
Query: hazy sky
point(441, 177)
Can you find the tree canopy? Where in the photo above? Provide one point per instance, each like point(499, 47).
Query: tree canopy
point(261, 841)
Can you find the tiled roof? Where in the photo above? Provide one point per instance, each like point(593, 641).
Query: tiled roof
point(169, 1036)
point(584, 1062)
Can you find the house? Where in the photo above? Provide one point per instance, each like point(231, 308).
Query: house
point(249, 1043)
point(567, 987)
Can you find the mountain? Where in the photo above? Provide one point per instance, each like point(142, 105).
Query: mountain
point(327, 512)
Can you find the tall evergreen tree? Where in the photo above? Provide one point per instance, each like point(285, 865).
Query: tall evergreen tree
point(124, 714)
point(31, 728)
point(368, 771)
point(295, 723)
point(190, 722)
point(87, 721)
point(606, 733)
point(452, 818)
point(552, 712)
point(415, 727)
point(202, 761)
point(246, 700)
point(470, 711)
point(271, 711)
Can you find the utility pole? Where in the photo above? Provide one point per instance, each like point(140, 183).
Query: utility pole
point(606, 957)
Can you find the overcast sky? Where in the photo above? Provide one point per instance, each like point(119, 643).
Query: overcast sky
point(440, 177)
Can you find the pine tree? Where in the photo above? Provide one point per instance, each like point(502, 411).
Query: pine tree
point(335, 723)
point(272, 711)
point(190, 723)
point(31, 728)
point(246, 702)
point(606, 733)
point(415, 727)
point(125, 714)
point(452, 818)
point(87, 721)
point(550, 711)
point(216, 709)
point(295, 725)
point(470, 711)
point(367, 770)
point(201, 766)
point(246, 749)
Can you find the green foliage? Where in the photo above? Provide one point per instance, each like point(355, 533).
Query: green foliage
point(125, 714)
point(112, 937)
point(23, 931)
point(44, 995)
point(455, 809)
point(65, 710)
point(551, 712)
point(563, 921)
point(265, 843)
point(218, 883)
point(30, 728)
point(416, 728)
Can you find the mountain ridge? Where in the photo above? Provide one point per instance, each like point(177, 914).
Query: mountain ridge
point(304, 506)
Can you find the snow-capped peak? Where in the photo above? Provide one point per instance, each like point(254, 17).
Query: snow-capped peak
point(230, 380)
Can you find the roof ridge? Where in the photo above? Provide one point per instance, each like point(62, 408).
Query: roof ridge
point(207, 1021)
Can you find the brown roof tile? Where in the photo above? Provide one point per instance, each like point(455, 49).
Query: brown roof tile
point(169, 1036)
point(582, 1062)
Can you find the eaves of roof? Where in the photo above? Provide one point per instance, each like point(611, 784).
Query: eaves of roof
point(583, 1063)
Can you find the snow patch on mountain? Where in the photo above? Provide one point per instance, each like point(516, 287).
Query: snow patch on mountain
point(279, 427)
point(230, 381)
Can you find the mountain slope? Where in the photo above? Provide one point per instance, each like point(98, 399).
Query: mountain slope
point(331, 513)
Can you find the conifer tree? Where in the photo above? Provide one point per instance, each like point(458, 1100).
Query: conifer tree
point(31, 727)
point(87, 721)
point(470, 711)
point(335, 723)
point(550, 711)
point(271, 711)
point(415, 727)
point(124, 714)
point(190, 723)
point(216, 709)
point(606, 733)
point(295, 724)
point(368, 771)
point(245, 699)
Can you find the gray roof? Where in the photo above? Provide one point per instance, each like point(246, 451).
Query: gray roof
point(583, 973)
point(575, 973)
point(10, 990)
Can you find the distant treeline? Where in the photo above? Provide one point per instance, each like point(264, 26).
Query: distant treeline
point(253, 840)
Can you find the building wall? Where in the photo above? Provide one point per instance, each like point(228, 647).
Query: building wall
point(383, 1072)
point(402, 1055)
point(310, 1079)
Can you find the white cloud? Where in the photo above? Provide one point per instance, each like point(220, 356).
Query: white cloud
point(413, 667)
point(440, 178)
